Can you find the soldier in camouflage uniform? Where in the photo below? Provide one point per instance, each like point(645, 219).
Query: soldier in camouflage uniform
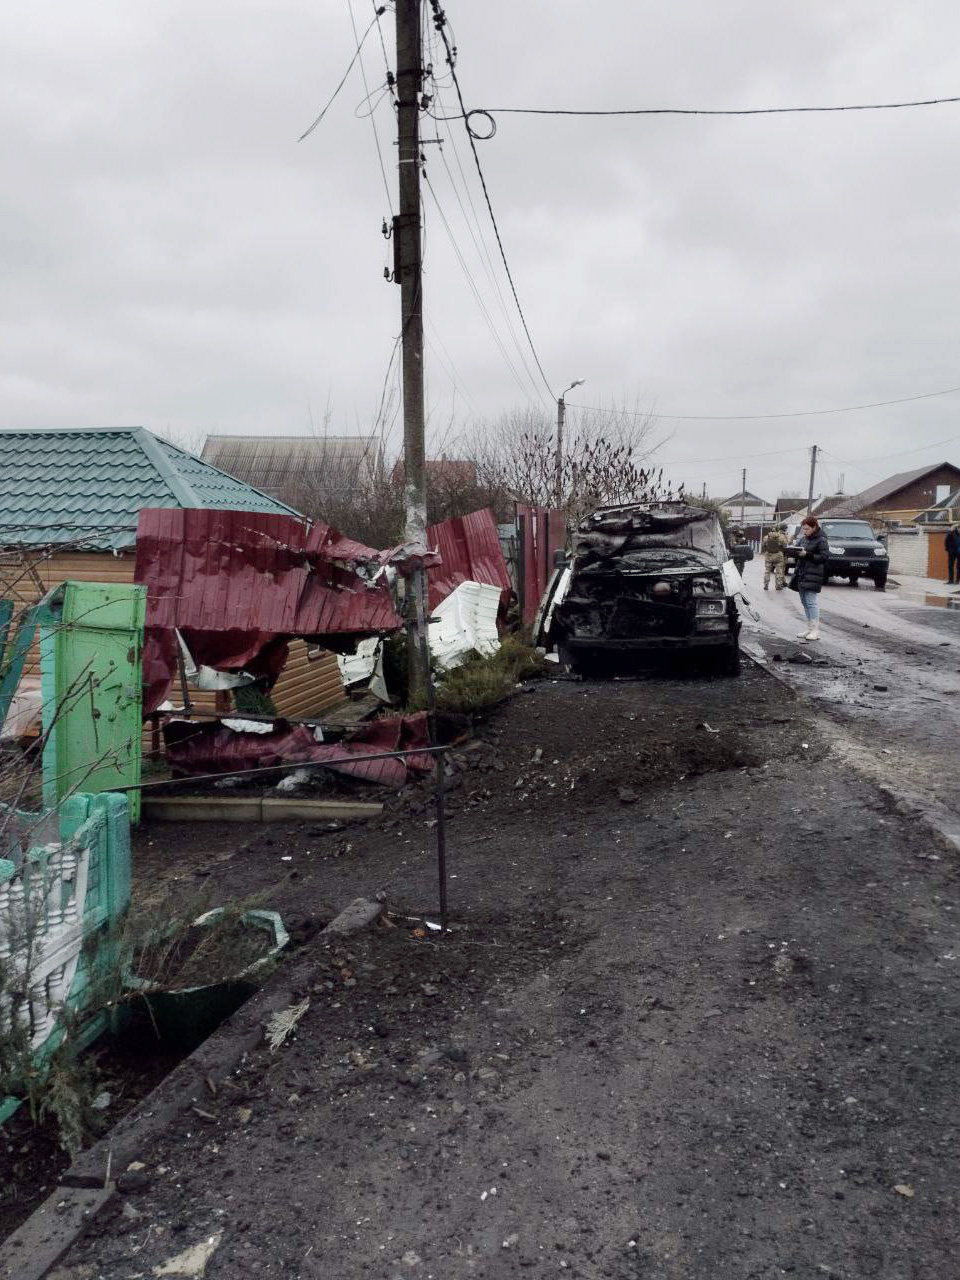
point(774, 547)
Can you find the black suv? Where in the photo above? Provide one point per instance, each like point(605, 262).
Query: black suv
point(855, 552)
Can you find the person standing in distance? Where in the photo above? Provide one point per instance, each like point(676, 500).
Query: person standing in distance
point(774, 548)
point(808, 577)
point(952, 543)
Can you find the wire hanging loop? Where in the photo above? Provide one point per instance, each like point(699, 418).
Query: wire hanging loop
point(480, 137)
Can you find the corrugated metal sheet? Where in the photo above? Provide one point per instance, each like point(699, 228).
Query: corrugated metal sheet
point(214, 748)
point(304, 687)
point(238, 585)
point(542, 532)
point(470, 551)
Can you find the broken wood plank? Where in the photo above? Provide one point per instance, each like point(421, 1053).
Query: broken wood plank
point(252, 809)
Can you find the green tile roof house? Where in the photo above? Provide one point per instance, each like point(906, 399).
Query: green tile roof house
point(69, 503)
point(86, 487)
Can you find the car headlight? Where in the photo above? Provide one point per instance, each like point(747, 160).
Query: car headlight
point(711, 608)
point(879, 551)
point(835, 550)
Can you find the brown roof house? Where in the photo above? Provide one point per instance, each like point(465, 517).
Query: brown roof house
point(901, 497)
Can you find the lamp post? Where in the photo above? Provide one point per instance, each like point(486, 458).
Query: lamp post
point(558, 460)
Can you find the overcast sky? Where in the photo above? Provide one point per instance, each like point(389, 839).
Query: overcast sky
point(172, 256)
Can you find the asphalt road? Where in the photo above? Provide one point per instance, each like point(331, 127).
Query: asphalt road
point(887, 668)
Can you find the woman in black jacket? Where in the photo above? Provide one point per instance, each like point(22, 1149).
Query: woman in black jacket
point(812, 553)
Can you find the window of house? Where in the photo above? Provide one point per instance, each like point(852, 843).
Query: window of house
point(943, 492)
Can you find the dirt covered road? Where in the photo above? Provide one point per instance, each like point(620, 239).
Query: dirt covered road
point(698, 1017)
point(887, 668)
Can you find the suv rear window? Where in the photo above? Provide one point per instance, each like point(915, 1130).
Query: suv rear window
point(848, 529)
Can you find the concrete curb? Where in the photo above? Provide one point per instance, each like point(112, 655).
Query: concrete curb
point(40, 1243)
point(86, 1190)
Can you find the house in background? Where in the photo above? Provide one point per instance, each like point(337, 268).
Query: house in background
point(785, 509)
point(305, 471)
point(749, 512)
point(755, 510)
point(912, 508)
point(69, 504)
point(901, 498)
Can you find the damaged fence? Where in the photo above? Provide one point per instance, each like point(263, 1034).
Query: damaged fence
point(56, 896)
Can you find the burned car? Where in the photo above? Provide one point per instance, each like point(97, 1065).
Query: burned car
point(645, 578)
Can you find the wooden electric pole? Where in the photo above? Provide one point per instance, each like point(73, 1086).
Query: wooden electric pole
point(813, 471)
point(743, 494)
point(409, 275)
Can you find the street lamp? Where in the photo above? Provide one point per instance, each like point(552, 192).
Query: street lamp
point(558, 460)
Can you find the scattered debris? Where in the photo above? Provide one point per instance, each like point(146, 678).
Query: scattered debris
point(283, 1023)
point(360, 913)
point(193, 1261)
point(904, 1189)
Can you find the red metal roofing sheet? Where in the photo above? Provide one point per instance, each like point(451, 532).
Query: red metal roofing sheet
point(211, 747)
point(470, 552)
point(238, 584)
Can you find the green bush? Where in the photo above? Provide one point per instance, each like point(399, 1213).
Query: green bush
point(482, 682)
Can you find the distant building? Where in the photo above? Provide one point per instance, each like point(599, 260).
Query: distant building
point(301, 470)
point(444, 473)
point(747, 509)
point(785, 509)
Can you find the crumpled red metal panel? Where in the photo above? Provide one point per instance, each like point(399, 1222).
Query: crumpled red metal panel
point(470, 552)
point(544, 532)
point(239, 584)
point(194, 747)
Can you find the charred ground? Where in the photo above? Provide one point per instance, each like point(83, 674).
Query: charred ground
point(705, 1029)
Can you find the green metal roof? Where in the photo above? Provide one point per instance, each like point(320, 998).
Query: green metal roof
point(86, 487)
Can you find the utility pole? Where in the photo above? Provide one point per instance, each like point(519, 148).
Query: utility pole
point(813, 469)
point(558, 456)
point(408, 274)
point(558, 459)
point(743, 495)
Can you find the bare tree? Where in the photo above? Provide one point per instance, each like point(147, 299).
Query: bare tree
point(605, 458)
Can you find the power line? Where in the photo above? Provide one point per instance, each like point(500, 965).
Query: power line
point(732, 457)
point(440, 24)
point(476, 292)
point(375, 21)
point(373, 123)
point(754, 417)
point(491, 112)
point(486, 261)
point(901, 453)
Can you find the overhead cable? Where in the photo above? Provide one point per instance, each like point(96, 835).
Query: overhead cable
point(489, 113)
point(477, 296)
point(374, 22)
point(757, 417)
point(373, 123)
point(440, 24)
point(480, 243)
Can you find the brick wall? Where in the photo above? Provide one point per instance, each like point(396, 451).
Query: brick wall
point(908, 552)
